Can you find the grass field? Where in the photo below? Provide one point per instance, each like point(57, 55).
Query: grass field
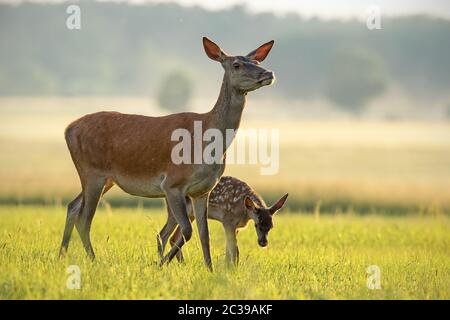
point(308, 257)
point(361, 193)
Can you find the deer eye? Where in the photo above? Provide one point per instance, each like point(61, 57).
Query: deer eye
point(236, 65)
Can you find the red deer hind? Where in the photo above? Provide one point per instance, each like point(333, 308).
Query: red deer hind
point(134, 152)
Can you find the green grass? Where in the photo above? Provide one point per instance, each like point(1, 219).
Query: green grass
point(393, 179)
point(307, 258)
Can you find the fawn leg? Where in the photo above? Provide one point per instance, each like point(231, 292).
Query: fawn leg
point(232, 250)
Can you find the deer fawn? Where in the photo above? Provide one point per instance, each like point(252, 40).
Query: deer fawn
point(234, 203)
point(134, 152)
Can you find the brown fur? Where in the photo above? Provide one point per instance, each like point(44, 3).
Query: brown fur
point(124, 146)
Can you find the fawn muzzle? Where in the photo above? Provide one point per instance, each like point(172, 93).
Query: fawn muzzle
point(263, 242)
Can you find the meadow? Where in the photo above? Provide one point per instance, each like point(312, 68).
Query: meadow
point(308, 257)
point(362, 192)
point(366, 165)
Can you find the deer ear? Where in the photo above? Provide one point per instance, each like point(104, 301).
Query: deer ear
point(212, 50)
point(261, 53)
point(249, 204)
point(279, 204)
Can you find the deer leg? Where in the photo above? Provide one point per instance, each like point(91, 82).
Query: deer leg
point(165, 232)
point(177, 206)
point(232, 250)
point(177, 232)
point(92, 192)
point(173, 240)
point(73, 209)
point(175, 237)
point(200, 206)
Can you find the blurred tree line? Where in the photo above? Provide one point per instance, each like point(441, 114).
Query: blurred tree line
point(125, 49)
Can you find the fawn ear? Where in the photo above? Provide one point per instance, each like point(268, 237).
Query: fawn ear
point(261, 53)
point(212, 50)
point(279, 204)
point(249, 204)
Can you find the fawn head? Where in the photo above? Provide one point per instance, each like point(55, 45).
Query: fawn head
point(263, 217)
point(244, 73)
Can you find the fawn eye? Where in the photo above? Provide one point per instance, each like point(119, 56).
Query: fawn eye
point(236, 65)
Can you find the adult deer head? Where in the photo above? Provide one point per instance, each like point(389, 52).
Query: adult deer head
point(244, 73)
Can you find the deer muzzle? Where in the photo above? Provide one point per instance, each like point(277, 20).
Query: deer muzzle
point(267, 78)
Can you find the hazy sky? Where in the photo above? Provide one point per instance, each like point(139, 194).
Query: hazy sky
point(321, 8)
point(332, 8)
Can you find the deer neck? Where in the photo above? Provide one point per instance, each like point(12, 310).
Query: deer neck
point(227, 111)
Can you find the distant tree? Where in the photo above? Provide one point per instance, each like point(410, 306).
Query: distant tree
point(176, 91)
point(355, 77)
